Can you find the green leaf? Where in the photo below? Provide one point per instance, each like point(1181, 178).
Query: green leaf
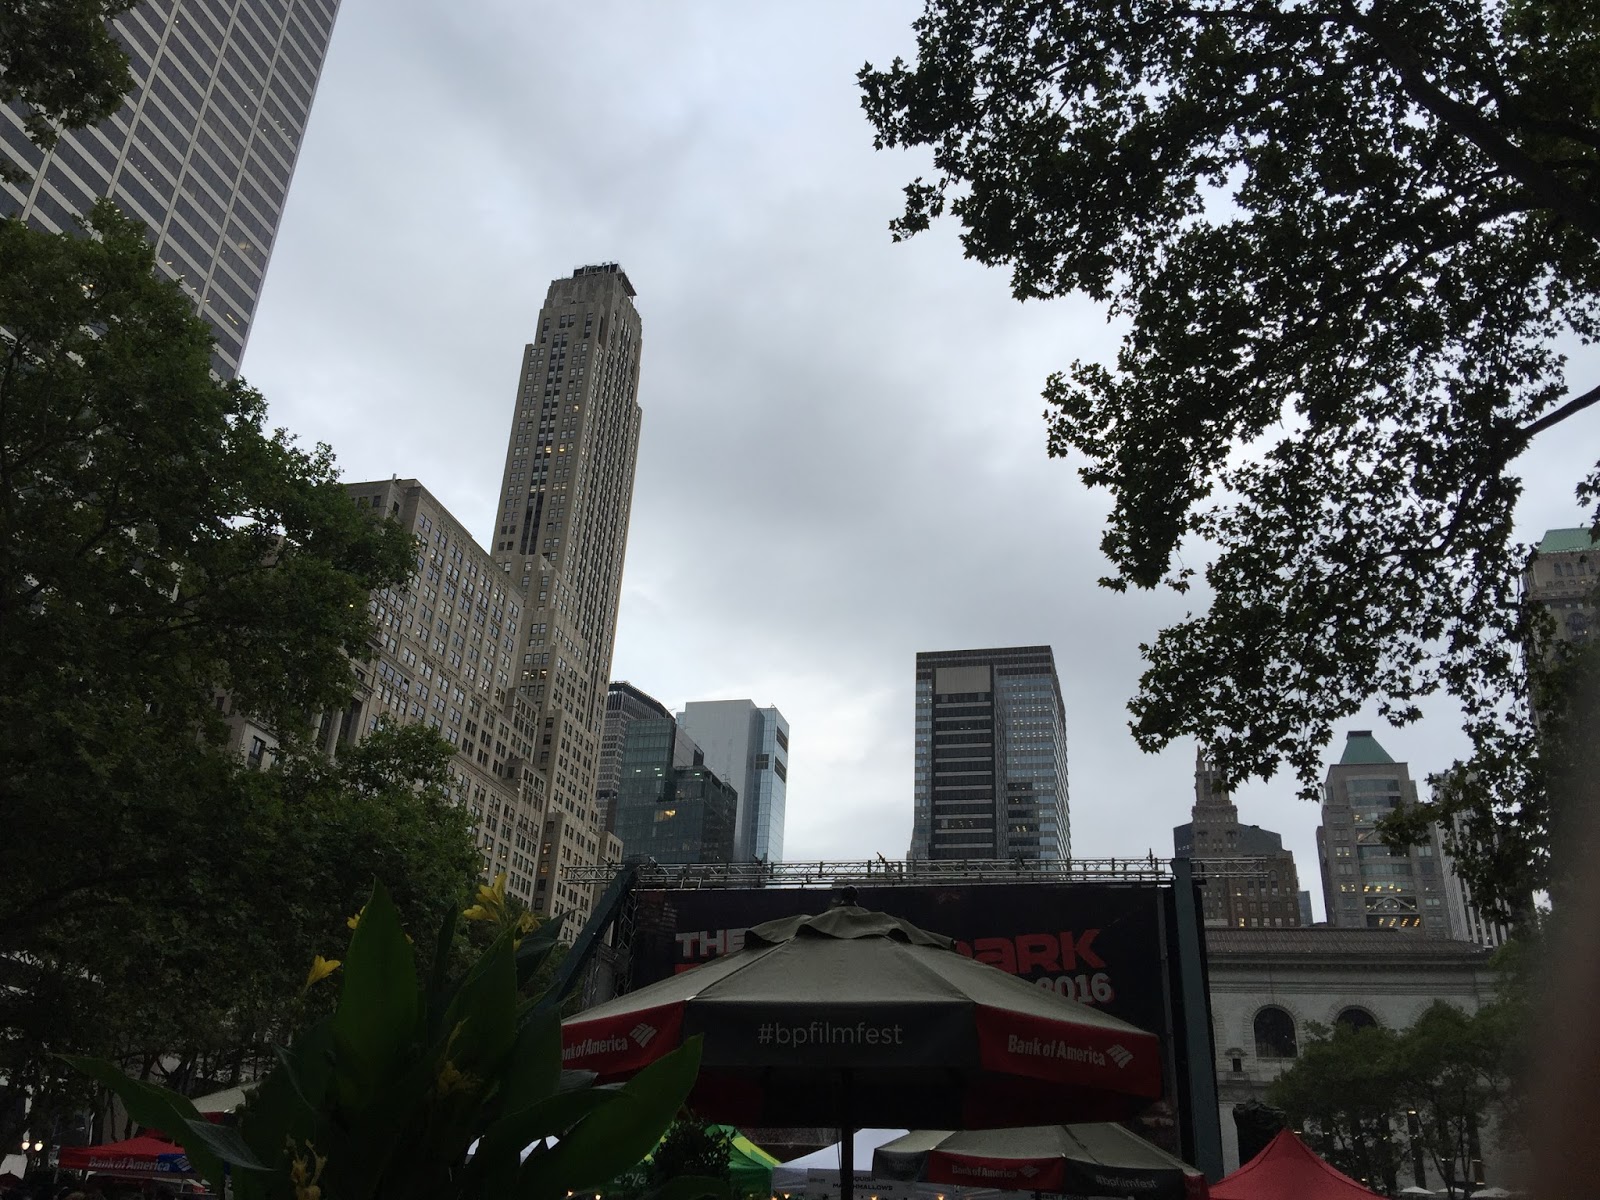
point(537, 947)
point(227, 1144)
point(288, 1103)
point(375, 1024)
point(496, 1162)
point(481, 1022)
point(535, 1061)
point(616, 1137)
point(439, 980)
point(157, 1108)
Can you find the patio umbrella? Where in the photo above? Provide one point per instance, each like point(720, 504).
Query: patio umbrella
point(749, 1166)
point(1087, 1160)
point(143, 1155)
point(853, 1018)
point(1413, 1190)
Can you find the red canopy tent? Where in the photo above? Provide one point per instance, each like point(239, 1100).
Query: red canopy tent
point(1288, 1169)
point(143, 1155)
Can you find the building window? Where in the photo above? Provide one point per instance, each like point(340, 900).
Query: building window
point(1275, 1036)
point(1356, 1018)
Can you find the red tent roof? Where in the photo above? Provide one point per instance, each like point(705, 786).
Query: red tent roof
point(142, 1154)
point(1288, 1169)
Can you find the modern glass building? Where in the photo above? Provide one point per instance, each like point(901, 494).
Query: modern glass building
point(990, 771)
point(749, 748)
point(201, 152)
point(671, 806)
point(625, 704)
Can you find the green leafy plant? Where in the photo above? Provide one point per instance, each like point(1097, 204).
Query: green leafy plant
point(426, 1089)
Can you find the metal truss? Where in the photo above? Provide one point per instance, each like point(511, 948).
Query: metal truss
point(882, 872)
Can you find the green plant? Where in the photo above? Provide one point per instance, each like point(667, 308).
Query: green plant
point(426, 1090)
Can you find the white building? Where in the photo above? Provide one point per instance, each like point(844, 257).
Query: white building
point(1268, 986)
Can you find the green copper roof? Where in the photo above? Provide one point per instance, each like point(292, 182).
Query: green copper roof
point(1564, 541)
point(1362, 749)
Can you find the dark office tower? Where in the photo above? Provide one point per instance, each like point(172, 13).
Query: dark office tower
point(625, 704)
point(202, 150)
point(671, 806)
point(560, 535)
point(991, 756)
point(1251, 878)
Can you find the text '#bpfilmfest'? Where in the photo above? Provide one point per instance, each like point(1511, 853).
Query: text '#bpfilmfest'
point(827, 1033)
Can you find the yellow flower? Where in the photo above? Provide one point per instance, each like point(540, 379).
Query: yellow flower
point(352, 922)
point(452, 1079)
point(491, 905)
point(303, 1175)
point(321, 968)
point(527, 923)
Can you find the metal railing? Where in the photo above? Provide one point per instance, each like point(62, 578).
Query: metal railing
point(881, 872)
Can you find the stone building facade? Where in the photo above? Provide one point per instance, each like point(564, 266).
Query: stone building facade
point(1269, 986)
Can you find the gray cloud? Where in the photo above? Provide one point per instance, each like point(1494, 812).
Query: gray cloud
point(842, 459)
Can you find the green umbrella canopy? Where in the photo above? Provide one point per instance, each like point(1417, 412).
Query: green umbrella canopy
point(749, 1166)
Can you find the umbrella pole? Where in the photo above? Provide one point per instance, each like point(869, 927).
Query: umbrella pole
point(847, 1146)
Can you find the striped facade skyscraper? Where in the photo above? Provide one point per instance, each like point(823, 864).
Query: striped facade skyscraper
point(201, 152)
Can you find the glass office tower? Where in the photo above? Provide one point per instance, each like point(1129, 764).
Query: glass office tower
point(990, 772)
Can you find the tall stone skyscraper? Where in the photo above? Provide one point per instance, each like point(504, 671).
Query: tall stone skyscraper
point(991, 756)
point(202, 150)
point(565, 496)
point(1267, 894)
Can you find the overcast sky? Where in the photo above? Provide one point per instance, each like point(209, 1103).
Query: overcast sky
point(842, 460)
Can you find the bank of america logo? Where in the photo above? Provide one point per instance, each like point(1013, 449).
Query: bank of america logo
point(642, 1033)
point(1029, 1172)
point(1120, 1056)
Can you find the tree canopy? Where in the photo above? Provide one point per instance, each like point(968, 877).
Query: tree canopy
point(60, 61)
point(163, 556)
point(1347, 242)
point(1375, 1102)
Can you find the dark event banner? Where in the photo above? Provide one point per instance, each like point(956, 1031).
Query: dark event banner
point(1100, 943)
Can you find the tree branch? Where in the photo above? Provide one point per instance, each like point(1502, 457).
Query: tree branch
point(1576, 405)
point(1477, 129)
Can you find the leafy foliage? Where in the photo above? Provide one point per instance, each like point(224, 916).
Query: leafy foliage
point(59, 60)
point(157, 547)
point(1344, 239)
point(1368, 1099)
point(425, 1091)
point(1344, 1091)
point(161, 550)
point(197, 999)
point(691, 1148)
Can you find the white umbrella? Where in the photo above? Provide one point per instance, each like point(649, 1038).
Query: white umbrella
point(1414, 1191)
point(827, 1159)
point(226, 1101)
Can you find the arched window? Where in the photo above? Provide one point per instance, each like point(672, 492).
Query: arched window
point(1275, 1034)
point(1356, 1018)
